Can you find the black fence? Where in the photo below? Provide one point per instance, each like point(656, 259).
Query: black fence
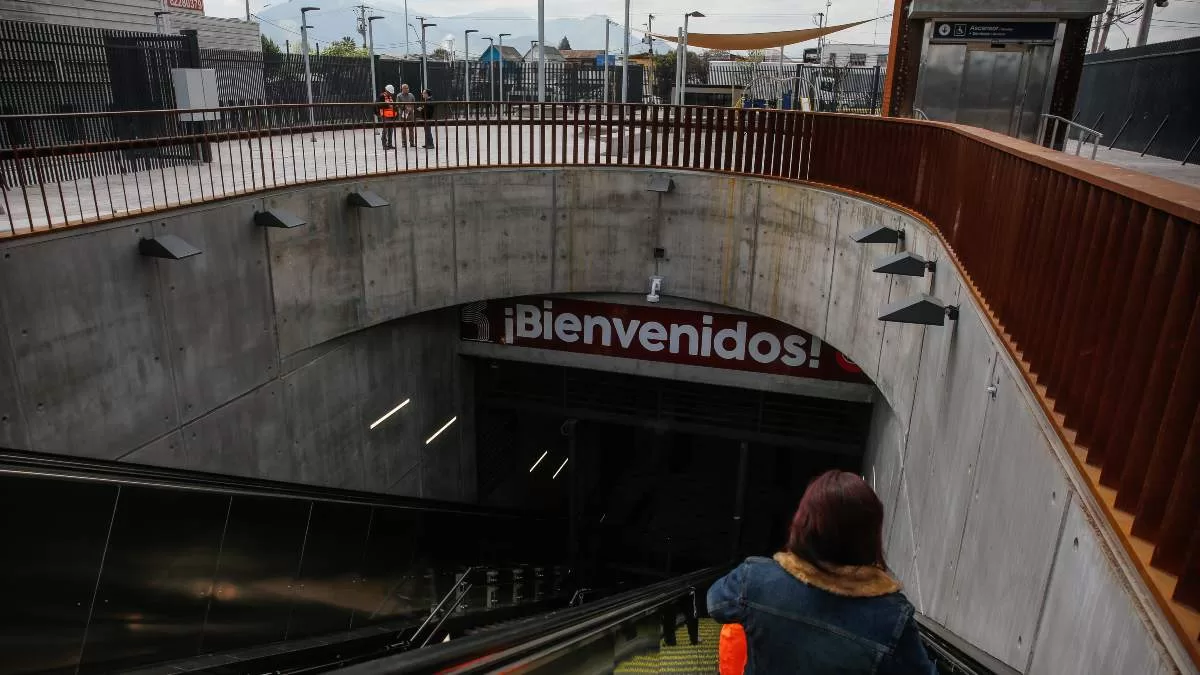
point(854, 89)
point(1145, 99)
point(565, 82)
point(252, 78)
point(48, 69)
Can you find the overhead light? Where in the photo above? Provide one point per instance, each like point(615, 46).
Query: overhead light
point(439, 431)
point(920, 309)
point(277, 218)
point(539, 461)
point(560, 468)
point(879, 234)
point(167, 246)
point(391, 412)
point(366, 199)
point(906, 264)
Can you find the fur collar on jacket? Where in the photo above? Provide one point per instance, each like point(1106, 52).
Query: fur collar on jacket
point(852, 581)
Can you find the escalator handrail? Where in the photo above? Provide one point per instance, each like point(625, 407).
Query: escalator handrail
point(558, 630)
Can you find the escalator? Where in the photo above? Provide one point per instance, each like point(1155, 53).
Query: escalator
point(623, 634)
point(115, 568)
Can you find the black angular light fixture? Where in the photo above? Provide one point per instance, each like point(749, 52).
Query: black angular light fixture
point(661, 184)
point(906, 264)
point(878, 234)
point(366, 199)
point(277, 218)
point(168, 247)
point(920, 309)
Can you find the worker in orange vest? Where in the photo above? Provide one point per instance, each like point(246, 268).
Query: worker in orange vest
point(731, 650)
point(388, 113)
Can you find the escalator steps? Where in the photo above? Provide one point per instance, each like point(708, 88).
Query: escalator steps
point(684, 657)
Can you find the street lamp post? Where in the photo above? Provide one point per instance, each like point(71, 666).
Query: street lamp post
point(681, 56)
point(501, 57)
point(625, 60)
point(424, 55)
point(541, 51)
point(607, 23)
point(307, 68)
point(467, 63)
point(491, 80)
point(371, 53)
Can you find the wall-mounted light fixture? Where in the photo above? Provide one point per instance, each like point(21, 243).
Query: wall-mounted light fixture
point(878, 234)
point(920, 309)
point(167, 246)
point(906, 264)
point(277, 218)
point(439, 431)
point(366, 199)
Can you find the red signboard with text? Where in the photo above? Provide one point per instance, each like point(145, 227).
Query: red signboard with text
point(194, 5)
point(652, 333)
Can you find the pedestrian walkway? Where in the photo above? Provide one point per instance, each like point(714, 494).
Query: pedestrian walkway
point(1171, 169)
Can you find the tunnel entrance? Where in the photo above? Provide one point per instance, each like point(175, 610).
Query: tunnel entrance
point(654, 472)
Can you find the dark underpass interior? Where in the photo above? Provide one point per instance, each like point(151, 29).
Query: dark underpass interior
point(656, 476)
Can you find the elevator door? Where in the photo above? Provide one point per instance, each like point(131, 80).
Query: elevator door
point(1000, 87)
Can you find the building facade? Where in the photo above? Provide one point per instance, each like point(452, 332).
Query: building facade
point(146, 16)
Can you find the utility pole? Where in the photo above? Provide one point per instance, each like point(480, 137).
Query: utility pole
point(424, 55)
point(1144, 28)
point(307, 68)
point(247, 10)
point(501, 55)
point(362, 23)
point(1100, 39)
point(650, 42)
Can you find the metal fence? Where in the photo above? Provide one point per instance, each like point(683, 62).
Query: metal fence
point(856, 89)
point(565, 82)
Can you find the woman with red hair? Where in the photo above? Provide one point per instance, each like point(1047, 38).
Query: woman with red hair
point(825, 604)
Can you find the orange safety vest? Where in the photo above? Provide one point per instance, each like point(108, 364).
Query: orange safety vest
point(731, 650)
point(387, 111)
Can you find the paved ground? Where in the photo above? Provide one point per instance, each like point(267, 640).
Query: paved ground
point(1170, 169)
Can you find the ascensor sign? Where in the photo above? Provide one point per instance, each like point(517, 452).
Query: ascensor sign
point(716, 340)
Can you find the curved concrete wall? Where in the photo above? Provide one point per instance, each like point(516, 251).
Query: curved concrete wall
point(989, 525)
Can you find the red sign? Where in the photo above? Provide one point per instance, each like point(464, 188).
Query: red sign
point(195, 5)
point(734, 341)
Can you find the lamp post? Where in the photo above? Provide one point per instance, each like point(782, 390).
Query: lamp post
point(541, 51)
point(625, 60)
point(491, 80)
point(371, 53)
point(424, 56)
point(681, 55)
point(467, 63)
point(501, 55)
point(307, 68)
point(607, 23)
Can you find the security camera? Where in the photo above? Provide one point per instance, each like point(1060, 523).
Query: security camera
point(655, 289)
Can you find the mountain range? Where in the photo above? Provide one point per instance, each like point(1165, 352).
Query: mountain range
point(339, 18)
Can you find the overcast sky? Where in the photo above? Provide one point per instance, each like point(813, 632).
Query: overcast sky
point(1180, 19)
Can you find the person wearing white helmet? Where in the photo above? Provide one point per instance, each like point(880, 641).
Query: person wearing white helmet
point(387, 113)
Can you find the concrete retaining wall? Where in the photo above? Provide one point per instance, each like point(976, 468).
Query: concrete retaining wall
point(109, 350)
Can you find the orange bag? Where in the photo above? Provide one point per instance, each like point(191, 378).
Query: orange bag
point(731, 649)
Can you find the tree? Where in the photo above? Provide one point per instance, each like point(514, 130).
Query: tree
point(664, 72)
point(345, 47)
point(269, 47)
point(440, 54)
point(719, 55)
point(749, 65)
point(564, 43)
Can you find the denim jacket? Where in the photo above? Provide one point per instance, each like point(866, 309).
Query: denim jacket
point(800, 619)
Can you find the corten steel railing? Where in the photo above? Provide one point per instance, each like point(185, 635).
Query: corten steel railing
point(1094, 283)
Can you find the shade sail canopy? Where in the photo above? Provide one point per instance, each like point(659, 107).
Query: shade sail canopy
point(741, 41)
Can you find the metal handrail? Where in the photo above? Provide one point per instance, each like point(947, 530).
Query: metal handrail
point(1084, 134)
point(455, 592)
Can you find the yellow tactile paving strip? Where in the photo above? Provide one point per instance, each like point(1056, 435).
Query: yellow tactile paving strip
point(684, 657)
